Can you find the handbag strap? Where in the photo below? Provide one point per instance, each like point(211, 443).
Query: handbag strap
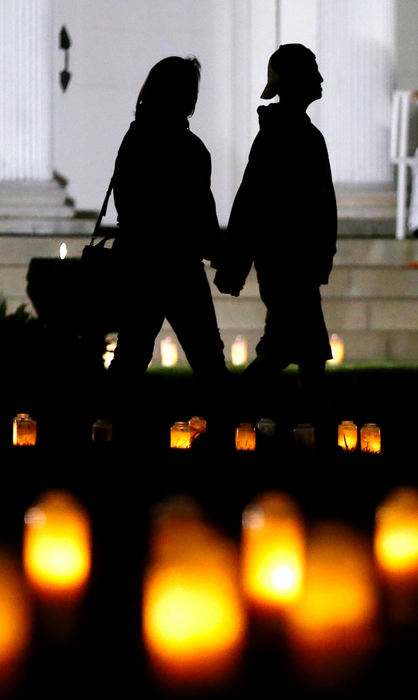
point(102, 213)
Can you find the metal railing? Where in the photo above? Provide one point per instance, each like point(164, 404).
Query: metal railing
point(399, 148)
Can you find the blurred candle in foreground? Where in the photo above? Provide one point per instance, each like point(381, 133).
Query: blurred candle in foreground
point(273, 551)
point(370, 440)
point(245, 437)
point(169, 352)
point(193, 618)
point(239, 351)
point(15, 621)
point(337, 349)
point(57, 547)
point(347, 435)
point(332, 627)
point(396, 550)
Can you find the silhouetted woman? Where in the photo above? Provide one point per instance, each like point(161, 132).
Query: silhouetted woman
point(167, 226)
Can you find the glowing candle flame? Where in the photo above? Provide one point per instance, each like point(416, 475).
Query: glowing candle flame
point(56, 547)
point(63, 251)
point(273, 551)
point(111, 345)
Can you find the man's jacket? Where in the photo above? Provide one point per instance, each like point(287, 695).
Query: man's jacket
point(284, 217)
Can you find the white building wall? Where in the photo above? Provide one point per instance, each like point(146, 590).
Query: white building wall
point(115, 43)
point(112, 52)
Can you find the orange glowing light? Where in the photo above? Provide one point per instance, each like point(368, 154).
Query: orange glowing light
point(347, 436)
point(396, 534)
point(337, 610)
point(245, 438)
point(15, 618)
point(181, 435)
point(56, 546)
point(193, 616)
point(337, 349)
point(273, 551)
point(370, 439)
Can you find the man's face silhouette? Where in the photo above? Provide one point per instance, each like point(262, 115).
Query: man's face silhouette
point(312, 82)
point(301, 83)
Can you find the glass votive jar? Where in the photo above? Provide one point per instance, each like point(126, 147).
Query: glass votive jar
point(181, 435)
point(266, 426)
point(370, 438)
point(197, 424)
point(304, 435)
point(102, 430)
point(245, 437)
point(347, 436)
point(24, 430)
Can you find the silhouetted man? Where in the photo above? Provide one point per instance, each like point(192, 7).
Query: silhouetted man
point(284, 220)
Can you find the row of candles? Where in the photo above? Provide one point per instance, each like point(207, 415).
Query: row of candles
point(183, 434)
point(321, 587)
point(239, 350)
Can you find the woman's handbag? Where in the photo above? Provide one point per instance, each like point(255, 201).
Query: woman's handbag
point(100, 277)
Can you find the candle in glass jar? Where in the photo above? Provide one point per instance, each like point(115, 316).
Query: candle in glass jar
point(169, 352)
point(198, 424)
point(24, 430)
point(370, 439)
point(181, 435)
point(396, 533)
point(102, 431)
point(57, 547)
point(15, 622)
point(347, 435)
point(194, 619)
point(245, 437)
point(239, 351)
point(273, 552)
point(304, 435)
point(337, 349)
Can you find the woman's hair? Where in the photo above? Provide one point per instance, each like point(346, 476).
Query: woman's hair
point(172, 83)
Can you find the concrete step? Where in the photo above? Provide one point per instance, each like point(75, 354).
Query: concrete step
point(357, 224)
point(36, 211)
point(371, 300)
point(19, 193)
point(376, 252)
point(47, 227)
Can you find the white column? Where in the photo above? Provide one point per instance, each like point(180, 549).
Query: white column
point(353, 41)
point(254, 38)
point(355, 56)
point(25, 90)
